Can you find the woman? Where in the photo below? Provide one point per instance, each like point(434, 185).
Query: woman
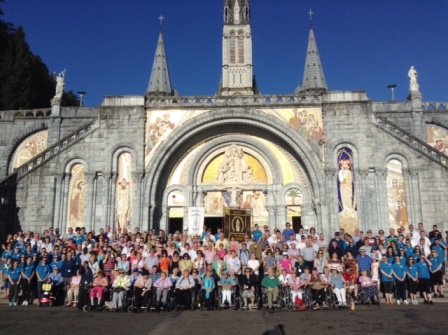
point(73, 289)
point(418, 253)
point(254, 264)
point(269, 261)
point(43, 271)
point(174, 261)
point(164, 262)
point(142, 289)
point(199, 263)
point(219, 265)
point(47, 245)
point(317, 289)
point(123, 264)
point(436, 273)
point(183, 288)
point(27, 277)
point(138, 263)
point(285, 263)
point(197, 283)
point(163, 286)
point(313, 232)
point(171, 249)
point(320, 262)
point(387, 279)
point(186, 264)
point(109, 262)
point(399, 271)
point(296, 285)
point(326, 275)
point(368, 288)
point(99, 285)
point(334, 262)
point(234, 244)
point(390, 254)
point(221, 251)
point(412, 280)
point(338, 283)
point(14, 277)
point(121, 284)
point(278, 257)
point(208, 290)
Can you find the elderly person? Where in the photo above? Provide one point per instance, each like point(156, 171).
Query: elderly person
point(368, 287)
point(73, 289)
point(99, 285)
point(142, 289)
point(183, 287)
point(226, 283)
point(208, 290)
point(317, 289)
point(163, 286)
point(338, 283)
point(271, 283)
point(121, 284)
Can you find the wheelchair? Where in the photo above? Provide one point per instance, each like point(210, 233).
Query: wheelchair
point(285, 298)
point(307, 297)
point(235, 300)
point(103, 305)
point(264, 300)
point(190, 302)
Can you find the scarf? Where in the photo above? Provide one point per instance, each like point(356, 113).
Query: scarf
point(209, 282)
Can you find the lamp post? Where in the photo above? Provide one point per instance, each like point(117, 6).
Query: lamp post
point(392, 87)
point(81, 94)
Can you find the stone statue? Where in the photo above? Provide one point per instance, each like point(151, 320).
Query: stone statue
point(413, 75)
point(60, 84)
point(234, 167)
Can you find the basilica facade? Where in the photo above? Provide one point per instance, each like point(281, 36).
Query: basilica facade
point(315, 157)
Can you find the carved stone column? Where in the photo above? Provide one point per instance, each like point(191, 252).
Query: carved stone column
point(88, 220)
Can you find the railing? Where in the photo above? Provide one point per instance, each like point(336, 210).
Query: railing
point(406, 106)
point(10, 115)
point(412, 141)
point(47, 155)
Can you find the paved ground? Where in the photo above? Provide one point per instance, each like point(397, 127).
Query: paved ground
point(383, 319)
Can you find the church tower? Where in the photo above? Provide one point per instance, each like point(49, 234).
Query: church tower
point(237, 66)
point(313, 75)
point(159, 81)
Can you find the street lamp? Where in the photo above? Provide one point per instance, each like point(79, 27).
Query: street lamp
point(81, 94)
point(392, 87)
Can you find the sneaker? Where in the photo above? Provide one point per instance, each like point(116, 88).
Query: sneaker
point(416, 302)
point(10, 304)
point(406, 302)
point(431, 302)
point(398, 302)
point(69, 304)
point(425, 301)
point(441, 295)
point(15, 303)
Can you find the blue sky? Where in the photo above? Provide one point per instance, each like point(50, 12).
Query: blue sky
point(108, 46)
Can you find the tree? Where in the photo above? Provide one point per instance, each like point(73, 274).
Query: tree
point(70, 99)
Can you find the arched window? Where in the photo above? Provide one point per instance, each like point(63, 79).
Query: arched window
point(29, 148)
point(348, 212)
point(396, 195)
point(77, 189)
point(123, 203)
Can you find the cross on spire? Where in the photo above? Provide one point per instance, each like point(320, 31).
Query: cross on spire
point(161, 19)
point(311, 13)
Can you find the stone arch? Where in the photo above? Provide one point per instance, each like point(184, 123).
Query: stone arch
point(69, 162)
point(228, 121)
point(399, 157)
point(344, 144)
point(16, 141)
point(117, 150)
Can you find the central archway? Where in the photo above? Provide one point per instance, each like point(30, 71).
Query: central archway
point(229, 124)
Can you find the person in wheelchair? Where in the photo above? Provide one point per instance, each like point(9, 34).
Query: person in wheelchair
point(208, 290)
point(119, 288)
point(369, 288)
point(270, 283)
point(142, 290)
point(99, 286)
point(58, 285)
point(183, 288)
point(296, 285)
point(317, 289)
point(163, 286)
point(248, 285)
point(338, 283)
point(351, 286)
point(226, 284)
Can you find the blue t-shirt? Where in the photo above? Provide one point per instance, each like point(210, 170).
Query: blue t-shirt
point(287, 233)
point(78, 239)
point(423, 270)
point(386, 267)
point(14, 274)
point(441, 252)
point(7, 254)
point(408, 250)
point(435, 263)
point(257, 234)
point(43, 270)
point(5, 269)
point(399, 270)
point(412, 270)
point(28, 270)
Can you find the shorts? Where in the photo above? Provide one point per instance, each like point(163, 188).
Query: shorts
point(248, 294)
point(424, 285)
point(388, 287)
point(436, 278)
point(6, 284)
point(443, 268)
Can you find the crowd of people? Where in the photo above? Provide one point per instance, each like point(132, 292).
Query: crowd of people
point(403, 267)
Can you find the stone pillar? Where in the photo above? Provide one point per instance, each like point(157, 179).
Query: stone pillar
point(383, 202)
point(95, 204)
point(413, 192)
point(361, 199)
point(136, 199)
point(308, 216)
point(418, 126)
point(89, 177)
point(112, 195)
point(65, 200)
point(333, 208)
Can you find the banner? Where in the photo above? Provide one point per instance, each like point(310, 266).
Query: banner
point(237, 223)
point(195, 220)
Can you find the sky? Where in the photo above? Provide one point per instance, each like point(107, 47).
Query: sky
point(108, 46)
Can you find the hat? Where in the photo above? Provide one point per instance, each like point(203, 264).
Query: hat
point(362, 249)
point(285, 253)
point(303, 237)
point(135, 270)
point(335, 268)
point(337, 234)
point(205, 244)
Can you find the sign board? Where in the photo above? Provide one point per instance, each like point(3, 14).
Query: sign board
point(195, 220)
point(237, 223)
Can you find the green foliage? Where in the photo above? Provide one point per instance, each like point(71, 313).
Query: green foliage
point(70, 99)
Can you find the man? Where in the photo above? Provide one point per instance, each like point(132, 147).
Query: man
point(288, 232)
point(364, 261)
point(415, 235)
point(423, 236)
point(270, 283)
point(301, 243)
point(68, 269)
point(433, 233)
point(357, 236)
point(222, 240)
point(351, 247)
point(143, 290)
point(257, 249)
point(78, 238)
point(334, 248)
point(244, 256)
point(257, 233)
point(151, 261)
point(392, 236)
point(69, 235)
point(209, 253)
point(339, 241)
point(308, 254)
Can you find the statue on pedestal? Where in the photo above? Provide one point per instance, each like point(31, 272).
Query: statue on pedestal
point(60, 84)
point(413, 75)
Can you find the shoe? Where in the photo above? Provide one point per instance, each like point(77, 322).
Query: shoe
point(10, 304)
point(425, 301)
point(398, 302)
point(431, 302)
point(25, 303)
point(441, 295)
point(415, 302)
point(406, 302)
point(69, 304)
point(15, 303)
point(271, 310)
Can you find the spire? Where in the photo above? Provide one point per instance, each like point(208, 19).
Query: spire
point(313, 76)
point(159, 82)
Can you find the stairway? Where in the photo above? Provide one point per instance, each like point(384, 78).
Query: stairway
point(47, 155)
point(412, 141)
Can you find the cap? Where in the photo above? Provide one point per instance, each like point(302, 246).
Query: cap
point(303, 237)
point(135, 270)
point(285, 253)
point(337, 234)
point(362, 249)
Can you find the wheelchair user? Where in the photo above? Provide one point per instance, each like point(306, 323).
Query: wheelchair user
point(119, 288)
point(208, 290)
point(248, 286)
point(183, 288)
point(226, 283)
point(142, 289)
point(270, 283)
point(99, 286)
point(163, 286)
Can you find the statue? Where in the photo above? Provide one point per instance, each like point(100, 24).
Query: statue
point(60, 84)
point(234, 167)
point(412, 74)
